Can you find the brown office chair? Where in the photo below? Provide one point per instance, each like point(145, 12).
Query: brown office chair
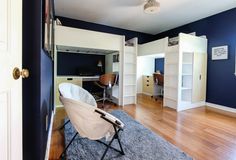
point(106, 82)
point(158, 81)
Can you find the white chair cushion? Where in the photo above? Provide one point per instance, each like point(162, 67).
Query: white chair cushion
point(80, 107)
point(77, 93)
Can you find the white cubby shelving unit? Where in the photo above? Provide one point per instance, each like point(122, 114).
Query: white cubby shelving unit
point(130, 72)
point(187, 76)
point(171, 77)
point(185, 73)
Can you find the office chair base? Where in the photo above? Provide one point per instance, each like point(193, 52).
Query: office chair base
point(157, 97)
point(104, 100)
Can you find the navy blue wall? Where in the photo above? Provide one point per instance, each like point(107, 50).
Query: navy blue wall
point(142, 37)
point(75, 63)
point(159, 65)
point(220, 30)
point(36, 88)
point(46, 99)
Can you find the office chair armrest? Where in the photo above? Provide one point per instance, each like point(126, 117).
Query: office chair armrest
point(110, 119)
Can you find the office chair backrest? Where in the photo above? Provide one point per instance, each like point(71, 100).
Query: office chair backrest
point(107, 79)
point(116, 78)
point(75, 92)
point(158, 79)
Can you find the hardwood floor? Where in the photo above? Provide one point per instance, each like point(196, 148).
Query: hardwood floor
point(202, 133)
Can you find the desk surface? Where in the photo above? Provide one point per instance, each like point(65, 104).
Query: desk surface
point(84, 78)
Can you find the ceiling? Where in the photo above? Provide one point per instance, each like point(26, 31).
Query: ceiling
point(128, 14)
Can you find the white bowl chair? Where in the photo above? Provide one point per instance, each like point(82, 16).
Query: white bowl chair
point(88, 120)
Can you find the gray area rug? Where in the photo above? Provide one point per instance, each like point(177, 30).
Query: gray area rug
point(139, 143)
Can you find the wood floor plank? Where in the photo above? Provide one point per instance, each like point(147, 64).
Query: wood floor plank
point(201, 133)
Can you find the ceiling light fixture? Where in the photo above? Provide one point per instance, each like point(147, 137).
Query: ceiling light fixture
point(152, 6)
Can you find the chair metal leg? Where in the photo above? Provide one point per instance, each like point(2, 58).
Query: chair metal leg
point(104, 97)
point(108, 146)
point(64, 124)
point(63, 153)
point(116, 136)
point(118, 139)
point(122, 151)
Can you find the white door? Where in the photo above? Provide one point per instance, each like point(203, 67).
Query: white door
point(10, 89)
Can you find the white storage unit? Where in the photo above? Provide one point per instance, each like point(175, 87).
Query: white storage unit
point(130, 73)
point(148, 85)
point(185, 73)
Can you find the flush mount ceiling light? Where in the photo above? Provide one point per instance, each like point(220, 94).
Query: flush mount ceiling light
point(152, 6)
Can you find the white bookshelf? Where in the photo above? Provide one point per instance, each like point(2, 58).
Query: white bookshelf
point(130, 73)
point(187, 76)
point(184, 64)
point(171, 77)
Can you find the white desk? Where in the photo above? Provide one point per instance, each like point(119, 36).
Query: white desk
point(82, 78)
point(78, 80)
point(91, 78)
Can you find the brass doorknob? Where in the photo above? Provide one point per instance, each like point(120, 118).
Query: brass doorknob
point(17, 73)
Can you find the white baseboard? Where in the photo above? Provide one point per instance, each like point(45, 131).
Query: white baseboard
point(148, 94)
point(220, 107)
point(49, 138)
point(59, 106)
point(191, 106)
